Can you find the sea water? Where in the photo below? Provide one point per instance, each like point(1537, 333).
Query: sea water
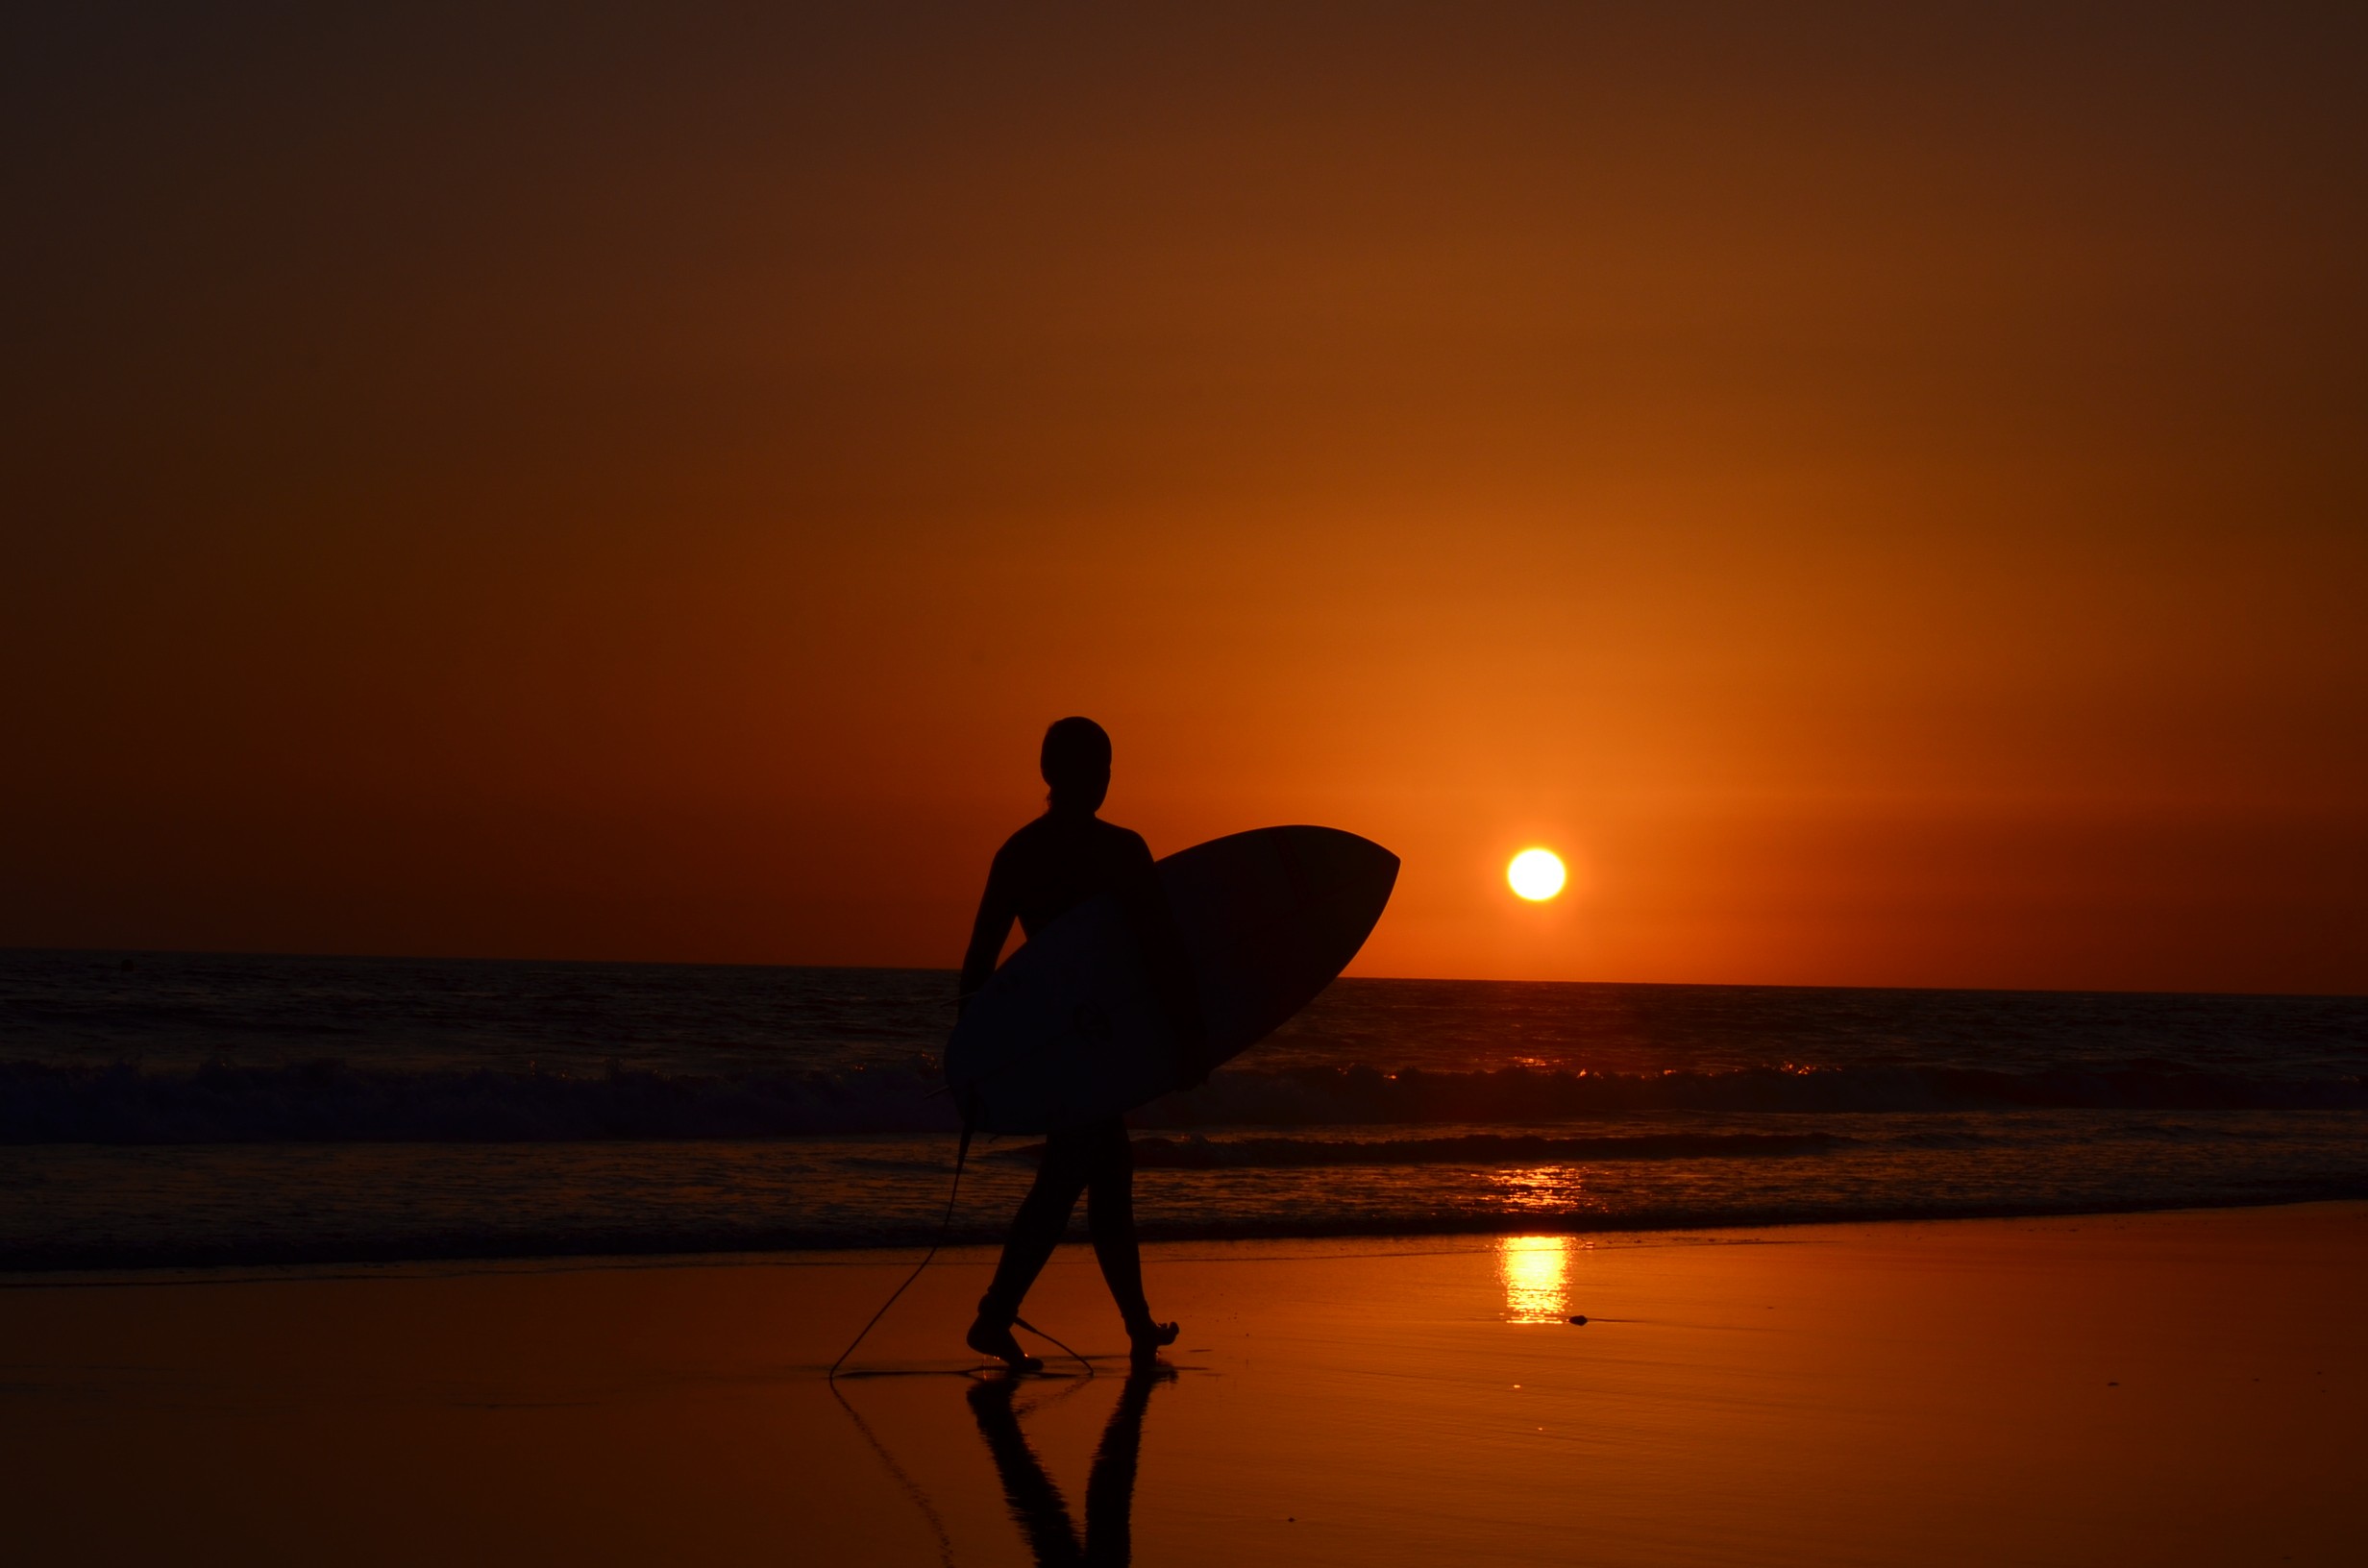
point(167, 1109)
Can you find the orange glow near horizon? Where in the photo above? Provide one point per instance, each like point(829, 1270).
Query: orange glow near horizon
point(1884, 503)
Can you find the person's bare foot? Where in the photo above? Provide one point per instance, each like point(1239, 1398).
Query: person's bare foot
point(990, 1338)
point(1147, 1340)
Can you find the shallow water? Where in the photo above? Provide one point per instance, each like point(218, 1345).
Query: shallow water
point(187, 1109)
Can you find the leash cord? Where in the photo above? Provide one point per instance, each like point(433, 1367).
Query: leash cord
point(944, 1226)
point(1041, 1335)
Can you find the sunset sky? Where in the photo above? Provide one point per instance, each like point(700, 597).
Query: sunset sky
point(1883, 491)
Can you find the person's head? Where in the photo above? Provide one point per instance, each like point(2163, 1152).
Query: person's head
point(1076, 761)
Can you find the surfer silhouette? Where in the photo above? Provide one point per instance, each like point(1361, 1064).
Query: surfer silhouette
point(1056, 863)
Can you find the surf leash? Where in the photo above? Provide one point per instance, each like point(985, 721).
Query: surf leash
point(1049, 1339)
point(945, 1225)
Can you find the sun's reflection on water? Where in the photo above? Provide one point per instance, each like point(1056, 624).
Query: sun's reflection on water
point(1540, 1187)
point(1535, 1272)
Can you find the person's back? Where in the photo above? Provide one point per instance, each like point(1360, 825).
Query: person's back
point(1061, 860)
point(1048, 868)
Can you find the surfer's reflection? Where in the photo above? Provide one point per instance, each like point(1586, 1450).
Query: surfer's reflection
point(1036, 1502)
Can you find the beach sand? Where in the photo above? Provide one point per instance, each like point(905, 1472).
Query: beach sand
point(2161, 1389)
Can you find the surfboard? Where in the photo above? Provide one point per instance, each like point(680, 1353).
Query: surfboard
point(1070, 1030)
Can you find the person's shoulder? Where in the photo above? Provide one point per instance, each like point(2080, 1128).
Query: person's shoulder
point(1125, 841)
point(1023, 841)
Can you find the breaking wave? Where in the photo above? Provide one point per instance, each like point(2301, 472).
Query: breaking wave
point(1468, 1149)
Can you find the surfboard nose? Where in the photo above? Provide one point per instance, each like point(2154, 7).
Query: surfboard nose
point(1344, 882)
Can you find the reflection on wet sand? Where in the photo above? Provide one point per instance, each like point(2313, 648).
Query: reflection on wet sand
point(1535, 1272)
point(1036, 1503)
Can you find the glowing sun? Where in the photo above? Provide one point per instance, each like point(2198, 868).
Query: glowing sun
point(1535, 874)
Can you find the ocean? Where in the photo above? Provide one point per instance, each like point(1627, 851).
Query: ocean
point(161, 1110)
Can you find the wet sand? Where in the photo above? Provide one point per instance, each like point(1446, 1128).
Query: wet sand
point(2165, 1388)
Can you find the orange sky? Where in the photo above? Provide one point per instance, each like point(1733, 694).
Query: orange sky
point(1882, 494)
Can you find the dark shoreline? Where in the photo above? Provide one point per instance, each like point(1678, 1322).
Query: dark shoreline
point(27, 1266)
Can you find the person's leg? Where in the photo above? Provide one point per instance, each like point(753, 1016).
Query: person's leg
point(1110, 1218)
point(1035, 1231)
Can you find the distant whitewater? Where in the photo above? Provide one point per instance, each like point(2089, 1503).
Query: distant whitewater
point(174, 1109)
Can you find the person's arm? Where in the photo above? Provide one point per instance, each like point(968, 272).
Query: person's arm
point(997, 909)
